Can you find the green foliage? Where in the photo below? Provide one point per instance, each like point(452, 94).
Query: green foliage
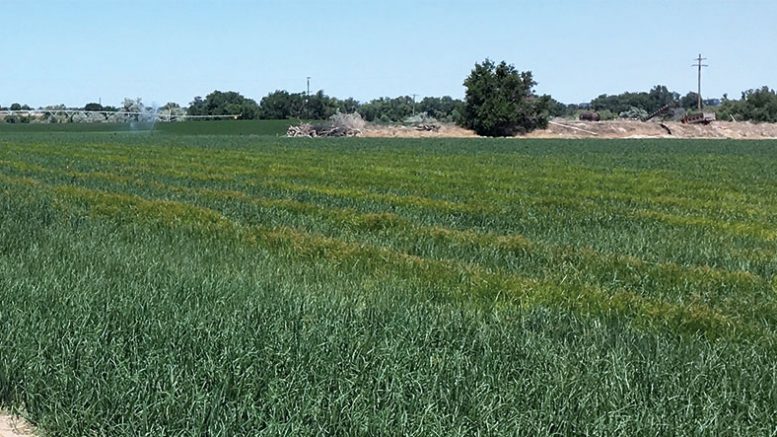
point(319, 106)
point(397, 109)
point(93, 107)
point(634, 114)
point(606, 115)
point(227, 127)
point(690, 101)
point(215, 127)
point(558, 109)
point(500, 101)
point(280, 105)
point(660, 96)
point(650, 101)
point(386, 109)
point(224, 103)
point(444, 108)
point(759, 105)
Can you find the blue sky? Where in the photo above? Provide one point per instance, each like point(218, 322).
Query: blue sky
point(77, 51)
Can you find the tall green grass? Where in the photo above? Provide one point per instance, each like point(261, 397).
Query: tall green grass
point(164, 284)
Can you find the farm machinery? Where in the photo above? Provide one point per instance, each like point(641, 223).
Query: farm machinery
point(698, 118)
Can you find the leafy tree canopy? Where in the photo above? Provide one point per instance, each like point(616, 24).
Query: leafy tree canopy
point(281, 105)
point(758, 105)
point(500, 101)
point(650, 101)
point(93, 107)
point(224, 103)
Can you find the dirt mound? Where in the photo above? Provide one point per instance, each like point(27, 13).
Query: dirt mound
point(561, 128)
point(445, 131)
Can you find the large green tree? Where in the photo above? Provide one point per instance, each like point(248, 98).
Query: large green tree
point(500, 101)
point(224, 103)
point(319, 106)
point(280, 105)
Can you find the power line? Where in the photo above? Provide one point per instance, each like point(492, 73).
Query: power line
point(699, 65)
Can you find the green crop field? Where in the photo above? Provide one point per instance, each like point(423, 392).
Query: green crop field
point(167, 284)
point(211, 127)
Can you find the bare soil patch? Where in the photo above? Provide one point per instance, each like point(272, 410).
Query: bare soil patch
point(445, 131)
point(14, 426)
point(562, 128)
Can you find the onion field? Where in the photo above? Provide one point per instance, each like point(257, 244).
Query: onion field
point(168, 284)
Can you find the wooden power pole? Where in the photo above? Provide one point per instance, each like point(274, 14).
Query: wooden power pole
point(307, 99)
point(699, 65)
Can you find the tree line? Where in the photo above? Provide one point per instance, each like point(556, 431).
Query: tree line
point(282, 104)
point(499, 100)
point(758, 105)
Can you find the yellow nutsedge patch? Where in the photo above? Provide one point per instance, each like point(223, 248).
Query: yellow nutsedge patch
point(239, 196)
point(224, 194)
point(371, 221)
point(103, 176)
point(513, 242)
point(745, 229)
point(700, 318)
point(376, 221)
point(19, 181)
point(667, 273)
point(692, 318)
point(125, 205)
point(362, 195)
point(451, 274)
point(287, 171)
point(24, 166)
point(287, 204)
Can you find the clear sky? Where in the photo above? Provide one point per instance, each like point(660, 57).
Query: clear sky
point(78, 51)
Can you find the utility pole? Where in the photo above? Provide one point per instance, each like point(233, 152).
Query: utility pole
point(307, 99)
point(699, 65)
point(414, 96)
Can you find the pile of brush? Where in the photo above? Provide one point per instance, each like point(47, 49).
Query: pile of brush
point(339, 125)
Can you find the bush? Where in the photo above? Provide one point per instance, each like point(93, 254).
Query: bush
point(500, 101)
point(606, 114)
point(422, 118)
point(758, 105)
point(352, 121)
point(634, 113)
